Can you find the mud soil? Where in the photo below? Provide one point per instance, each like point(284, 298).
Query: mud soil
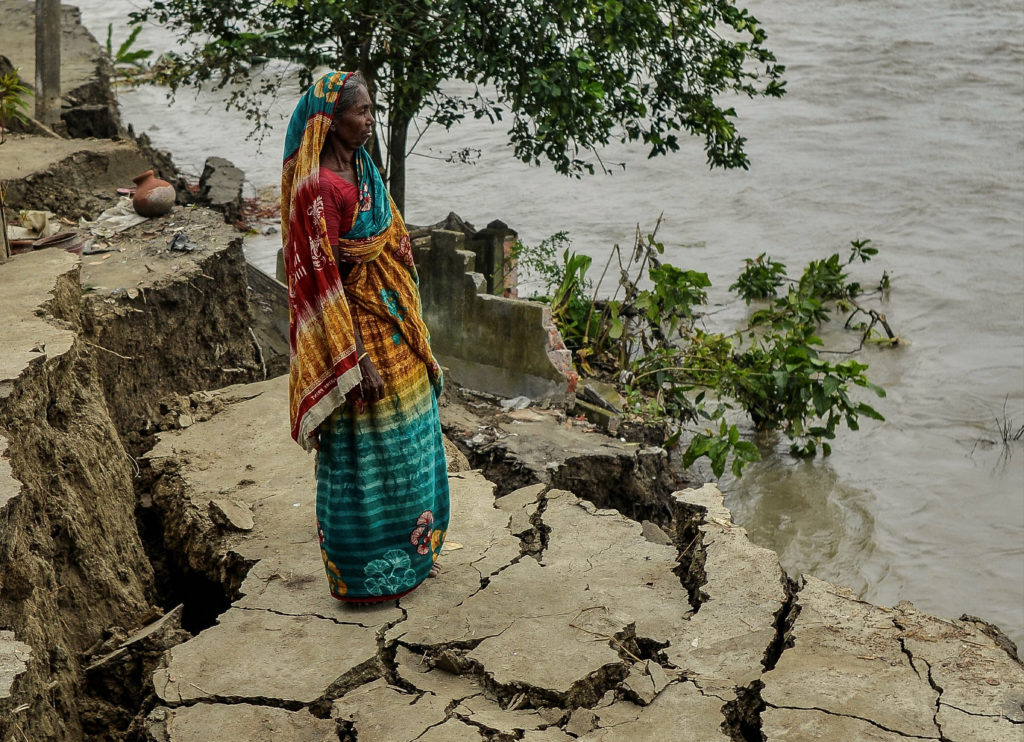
point(139, 329)
point(72, 568)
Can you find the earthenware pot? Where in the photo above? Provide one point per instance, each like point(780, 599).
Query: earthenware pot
point(153, 197)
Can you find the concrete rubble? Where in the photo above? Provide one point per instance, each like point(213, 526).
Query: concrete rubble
point(489, 342)
point(220, 187)
point(598, 634)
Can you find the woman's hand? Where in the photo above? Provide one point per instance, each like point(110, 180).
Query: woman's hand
point(371, 388)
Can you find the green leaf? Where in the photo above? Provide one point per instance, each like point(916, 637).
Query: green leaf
point(615, 330)
point(747, 451)
point(718, 463)
point(879, 391)
point(865, 409)
point(820, 403)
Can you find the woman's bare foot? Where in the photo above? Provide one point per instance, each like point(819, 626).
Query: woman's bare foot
point(435, 569)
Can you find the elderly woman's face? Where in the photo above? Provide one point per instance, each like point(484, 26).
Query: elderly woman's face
point(355, 124)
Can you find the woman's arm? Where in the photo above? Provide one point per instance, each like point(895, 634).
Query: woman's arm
point(371, 388)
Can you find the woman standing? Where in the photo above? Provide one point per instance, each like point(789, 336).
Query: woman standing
point(363, 383)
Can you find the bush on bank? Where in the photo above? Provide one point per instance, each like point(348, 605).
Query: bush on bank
point(650, 339)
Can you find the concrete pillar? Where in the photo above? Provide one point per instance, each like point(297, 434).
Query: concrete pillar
point(47, 91)
point(492, 246)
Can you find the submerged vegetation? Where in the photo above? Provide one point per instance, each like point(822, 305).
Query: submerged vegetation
point(649, 338)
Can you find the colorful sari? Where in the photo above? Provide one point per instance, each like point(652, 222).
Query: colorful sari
point(382, 484)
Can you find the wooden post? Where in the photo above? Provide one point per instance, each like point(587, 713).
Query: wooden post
point(5, 246)
point(48, 61)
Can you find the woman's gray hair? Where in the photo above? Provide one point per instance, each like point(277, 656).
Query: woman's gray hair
point(348, 92)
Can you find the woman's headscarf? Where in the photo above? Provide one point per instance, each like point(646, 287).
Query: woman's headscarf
point(324, 365)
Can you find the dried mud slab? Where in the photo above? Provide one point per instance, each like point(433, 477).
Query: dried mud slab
point(234, 723)
point(900, 672)
point(254, 655)
point(552, 619)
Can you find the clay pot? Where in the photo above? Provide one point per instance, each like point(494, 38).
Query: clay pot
point(153, 197)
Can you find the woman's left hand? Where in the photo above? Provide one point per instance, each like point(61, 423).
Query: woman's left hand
point(371, 388)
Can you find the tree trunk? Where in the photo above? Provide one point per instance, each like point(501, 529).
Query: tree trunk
point(47, 90)
point(396, 149)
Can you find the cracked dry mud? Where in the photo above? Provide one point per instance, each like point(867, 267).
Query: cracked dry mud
point(552, 620)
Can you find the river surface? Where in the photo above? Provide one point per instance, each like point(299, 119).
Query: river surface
point(904, 123)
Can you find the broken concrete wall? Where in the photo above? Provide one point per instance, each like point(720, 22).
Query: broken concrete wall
point(491, 246)
point(507, 347)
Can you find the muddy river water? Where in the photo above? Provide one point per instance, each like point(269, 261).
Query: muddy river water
point(904, 123)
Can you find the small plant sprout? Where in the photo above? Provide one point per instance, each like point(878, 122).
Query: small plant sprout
point(12, 102)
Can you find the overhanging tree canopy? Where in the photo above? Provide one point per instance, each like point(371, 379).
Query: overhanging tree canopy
point(572, 75)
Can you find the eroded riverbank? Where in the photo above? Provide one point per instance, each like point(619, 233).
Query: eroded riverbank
point(553, 618)
point(902, 124)
point(556, 619)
